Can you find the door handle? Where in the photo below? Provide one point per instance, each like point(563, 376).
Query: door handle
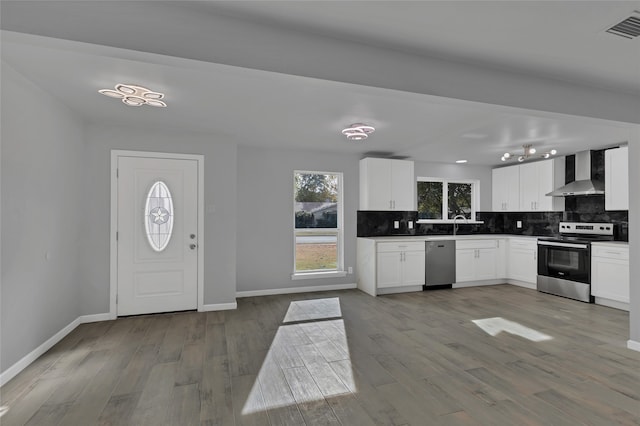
point(193, 246)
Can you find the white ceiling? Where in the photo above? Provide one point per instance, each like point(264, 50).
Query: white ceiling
point(262, 108)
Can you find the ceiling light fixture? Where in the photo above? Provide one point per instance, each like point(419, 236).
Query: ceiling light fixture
point(135, 95)
point(529, 151)
point(461, 161)
point(358, 132)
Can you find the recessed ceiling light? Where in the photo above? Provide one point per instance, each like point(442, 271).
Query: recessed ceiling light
point(461, 161)
point(135, 95)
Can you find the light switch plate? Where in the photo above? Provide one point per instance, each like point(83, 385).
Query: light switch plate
point(519, 224)
point(410, 224)
point(396, 224)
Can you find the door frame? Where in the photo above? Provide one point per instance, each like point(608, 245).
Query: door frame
point(113, 270)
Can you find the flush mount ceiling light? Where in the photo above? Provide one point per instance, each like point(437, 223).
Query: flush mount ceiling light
point(358, 132)
point(135, 95)
point(529, 152)
point(461, 161)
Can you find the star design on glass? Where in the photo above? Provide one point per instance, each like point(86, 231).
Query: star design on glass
point(160, 215)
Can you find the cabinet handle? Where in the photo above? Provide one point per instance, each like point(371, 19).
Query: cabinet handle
point(394, 204)
point(535, 255)
point(390, 204)
point(617, 253)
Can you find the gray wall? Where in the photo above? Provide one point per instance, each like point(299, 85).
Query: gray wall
point(265, 214)
point(220, 205)
point(460, 171)
point(42, 152)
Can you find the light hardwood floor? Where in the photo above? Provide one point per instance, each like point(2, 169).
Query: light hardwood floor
point(341, 358)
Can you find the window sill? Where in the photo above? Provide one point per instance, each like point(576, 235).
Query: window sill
point(449, 221)
point(315, 275)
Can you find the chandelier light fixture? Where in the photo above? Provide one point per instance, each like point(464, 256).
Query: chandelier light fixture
point(358, 132)
point(135, 95)
point(529, 152)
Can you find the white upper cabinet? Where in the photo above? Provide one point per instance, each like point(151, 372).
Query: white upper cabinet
point(616, 179)
point(387, 184)
point(505, 184)
point(524, 187)
point(536, 180)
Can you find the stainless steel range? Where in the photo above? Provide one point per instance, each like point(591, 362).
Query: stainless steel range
point(564, 262)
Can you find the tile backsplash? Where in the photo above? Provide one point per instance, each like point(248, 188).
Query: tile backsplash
point(583, 209)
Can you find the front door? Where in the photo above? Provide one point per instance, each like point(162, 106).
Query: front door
point(157, 241)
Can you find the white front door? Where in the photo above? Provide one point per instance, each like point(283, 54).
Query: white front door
point(157, 235)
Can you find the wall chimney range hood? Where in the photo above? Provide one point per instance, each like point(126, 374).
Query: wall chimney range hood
point(583, 185)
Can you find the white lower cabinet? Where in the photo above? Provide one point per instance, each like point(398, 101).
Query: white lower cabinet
point(476, 260)
point(400, 264)
point(522, 260)
point(610, 272)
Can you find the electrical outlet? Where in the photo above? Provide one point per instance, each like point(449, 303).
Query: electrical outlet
point(519, 224)
point(410, 224)
point(350, 270)
point(396, 224)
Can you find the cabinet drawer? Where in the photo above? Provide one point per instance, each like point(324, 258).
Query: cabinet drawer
point(401, 246)
point(523, 244)
point(475, 244)
point(610, 252)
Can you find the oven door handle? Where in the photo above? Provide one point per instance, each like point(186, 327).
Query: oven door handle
point(569, 245)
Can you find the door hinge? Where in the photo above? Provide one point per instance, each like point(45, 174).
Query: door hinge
point(116, 235)
point(117, 173)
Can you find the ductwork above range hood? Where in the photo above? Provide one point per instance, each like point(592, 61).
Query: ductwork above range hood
point(583, 185)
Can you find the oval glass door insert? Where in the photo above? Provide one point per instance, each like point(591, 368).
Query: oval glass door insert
point(158, 216)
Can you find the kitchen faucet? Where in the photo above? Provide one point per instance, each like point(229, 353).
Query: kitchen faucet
point(455, 225)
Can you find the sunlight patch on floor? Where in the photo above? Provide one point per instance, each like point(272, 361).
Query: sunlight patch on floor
point(4, 410)
point(494, 326)
point(307, 361)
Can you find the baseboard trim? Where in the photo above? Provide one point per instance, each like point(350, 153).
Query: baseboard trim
point(633, 345)
point(218, 307)
point(26, 360)
point(94, 318)
point(308, 289)
point(23, 363)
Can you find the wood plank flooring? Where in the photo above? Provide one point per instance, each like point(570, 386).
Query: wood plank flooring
point(341, 358)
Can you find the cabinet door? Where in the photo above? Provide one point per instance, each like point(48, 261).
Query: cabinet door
point(375, 184)
point(403, 185)
point(610, 279)
point(486, 263)
point(389, 269)
point(498, 189)
point(413, 268)
point(465, 265)
point(528, 187)
point(523, 264)
point(616, 179)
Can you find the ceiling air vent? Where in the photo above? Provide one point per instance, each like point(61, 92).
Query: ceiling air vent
point(628, 28)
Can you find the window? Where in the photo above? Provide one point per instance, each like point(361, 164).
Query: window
point(317, 207)
point(442, 199)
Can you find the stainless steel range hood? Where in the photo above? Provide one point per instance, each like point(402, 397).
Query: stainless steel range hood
point(583, 185)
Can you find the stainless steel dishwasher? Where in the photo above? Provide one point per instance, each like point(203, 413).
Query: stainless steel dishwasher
point(440, 263)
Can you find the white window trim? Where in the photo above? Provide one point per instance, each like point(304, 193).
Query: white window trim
point(475, 198)
point(339, 231)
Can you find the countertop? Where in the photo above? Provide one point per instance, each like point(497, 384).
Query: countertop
point(394, 238)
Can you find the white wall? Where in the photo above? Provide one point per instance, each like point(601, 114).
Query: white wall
point(634, 236)
point(42, 207)
point(265, 214)
point(220, 205)
point(459, 171)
